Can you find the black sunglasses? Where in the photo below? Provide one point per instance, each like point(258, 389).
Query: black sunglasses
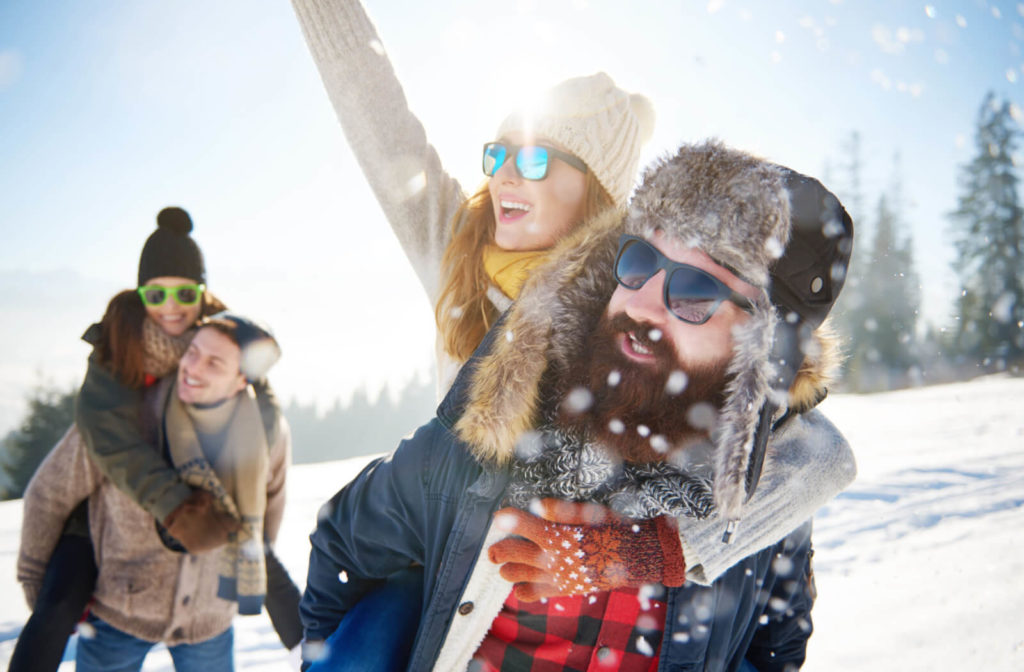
point(531, 160)
point(691, 294)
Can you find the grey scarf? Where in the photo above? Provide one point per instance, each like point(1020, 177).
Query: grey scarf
point(556, 463)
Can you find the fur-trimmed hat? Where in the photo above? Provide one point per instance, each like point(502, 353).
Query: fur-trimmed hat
point(595, 121)
point(777, 229)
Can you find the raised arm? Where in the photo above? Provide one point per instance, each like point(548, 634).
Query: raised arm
point(417, 196)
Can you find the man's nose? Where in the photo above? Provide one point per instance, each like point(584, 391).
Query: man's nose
point(646, 303)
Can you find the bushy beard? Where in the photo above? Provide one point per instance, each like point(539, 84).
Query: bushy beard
point(640, 412)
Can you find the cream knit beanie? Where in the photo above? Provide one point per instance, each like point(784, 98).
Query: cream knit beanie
point(596, 121)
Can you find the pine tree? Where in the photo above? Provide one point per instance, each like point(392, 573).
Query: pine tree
point(989, 230)
point(50, 413)
point(878, 310)
point(886, 354)
point(847, 314)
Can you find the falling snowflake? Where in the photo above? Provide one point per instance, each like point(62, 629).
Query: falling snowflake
point(659, 443)
point(676, 383)
point(579, 400)
point(783, 565)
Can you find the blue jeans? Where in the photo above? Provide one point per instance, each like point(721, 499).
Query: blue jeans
point(377, 634)
point(111, 650)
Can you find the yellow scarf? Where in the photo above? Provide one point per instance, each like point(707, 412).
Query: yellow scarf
point(509, 269)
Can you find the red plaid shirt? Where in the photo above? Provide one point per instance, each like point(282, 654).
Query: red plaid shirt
point(612, 630)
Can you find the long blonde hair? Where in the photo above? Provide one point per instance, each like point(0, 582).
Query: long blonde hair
point(464, 313)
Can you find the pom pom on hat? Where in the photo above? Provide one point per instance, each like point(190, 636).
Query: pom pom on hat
point(259, 349)
point(175, 219)
point(595, 121)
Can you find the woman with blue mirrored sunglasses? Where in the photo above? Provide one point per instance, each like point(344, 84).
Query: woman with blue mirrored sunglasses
point(531, 161)
point(548, 168)
point(472, 251)
point(470, 271)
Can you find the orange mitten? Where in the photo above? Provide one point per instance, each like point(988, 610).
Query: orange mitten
point(575, 549)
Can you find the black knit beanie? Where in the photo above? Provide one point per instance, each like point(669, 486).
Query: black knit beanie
point(170, 251)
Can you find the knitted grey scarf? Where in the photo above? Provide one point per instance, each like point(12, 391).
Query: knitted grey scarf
point(570, 467)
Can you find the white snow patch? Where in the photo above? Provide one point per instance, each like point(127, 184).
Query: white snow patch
point(917, 556)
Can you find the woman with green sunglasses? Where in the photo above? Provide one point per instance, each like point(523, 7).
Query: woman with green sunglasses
point(140, 339)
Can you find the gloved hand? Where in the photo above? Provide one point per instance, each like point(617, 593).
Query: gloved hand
point(576, 549)
point(199, 525)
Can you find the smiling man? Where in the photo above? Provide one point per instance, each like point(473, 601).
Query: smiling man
point(649, 375)
point(206, 421)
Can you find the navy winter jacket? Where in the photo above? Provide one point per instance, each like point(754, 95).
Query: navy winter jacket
point(430, 503)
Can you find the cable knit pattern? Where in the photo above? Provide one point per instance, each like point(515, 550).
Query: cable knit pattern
point(597, 122)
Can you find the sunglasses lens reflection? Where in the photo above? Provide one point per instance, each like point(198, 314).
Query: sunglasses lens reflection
point(494, 156)
point(532, 162)
point(692, 294)
point(637, 263)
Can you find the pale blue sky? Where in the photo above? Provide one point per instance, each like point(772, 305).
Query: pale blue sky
point(111, 110)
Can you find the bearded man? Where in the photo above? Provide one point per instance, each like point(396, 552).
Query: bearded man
point(649, 375)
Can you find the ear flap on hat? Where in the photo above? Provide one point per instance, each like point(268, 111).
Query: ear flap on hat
point(750, 387)
point(806, 281)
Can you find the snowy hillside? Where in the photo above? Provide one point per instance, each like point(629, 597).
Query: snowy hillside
point(917, 563)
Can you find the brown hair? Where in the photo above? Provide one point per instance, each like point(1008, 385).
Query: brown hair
point(463, 313)
point(120, 347)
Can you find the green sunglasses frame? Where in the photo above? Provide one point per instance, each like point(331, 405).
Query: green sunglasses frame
point(514, 150)
point(725, 293)
point(199, 288)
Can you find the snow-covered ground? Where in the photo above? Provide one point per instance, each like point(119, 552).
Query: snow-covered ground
point(918, 563)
